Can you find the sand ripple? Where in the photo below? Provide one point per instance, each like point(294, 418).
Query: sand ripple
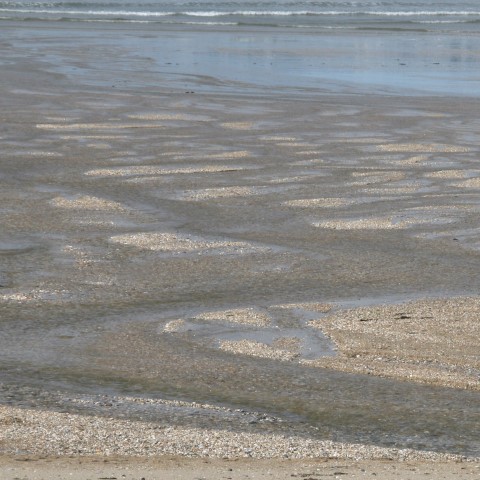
point(158, 170)
point(244, 316)
point(422, 147)
point(177, 244)
point(87, 202)
point(257, 349)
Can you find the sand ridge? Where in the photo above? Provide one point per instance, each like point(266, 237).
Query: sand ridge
point(53, 434)
point(159, 170)
point(175, 243)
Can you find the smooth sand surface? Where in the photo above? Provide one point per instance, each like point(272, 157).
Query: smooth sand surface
point(178, 468)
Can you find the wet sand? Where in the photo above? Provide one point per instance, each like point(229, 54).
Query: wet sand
point(299, 269)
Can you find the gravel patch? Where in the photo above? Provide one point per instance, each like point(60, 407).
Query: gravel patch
point(173, 243)
point(174, 326)
point(447, 174)
point(257, 349)
point(378, 223)
point(320, 202)
point(157, 170)
point(96, 126)
point(470, 183)
point(50, 433)
point(87, 202)
point(221, 192)
point(312, 306)
point(420, 147)
point(427, 341)
point(237, 125)
point(243, 316)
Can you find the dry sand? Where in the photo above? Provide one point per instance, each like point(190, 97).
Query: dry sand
point(178, 468)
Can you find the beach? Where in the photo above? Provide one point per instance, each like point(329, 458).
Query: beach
point(211, 274)
point(170, 468)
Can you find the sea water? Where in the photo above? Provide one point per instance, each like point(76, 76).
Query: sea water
point(390, 47)
point(390, 14)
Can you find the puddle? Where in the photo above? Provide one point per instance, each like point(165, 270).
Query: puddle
point(310, 343)
point(467, 238)
point(4, 282)
point(15, 247)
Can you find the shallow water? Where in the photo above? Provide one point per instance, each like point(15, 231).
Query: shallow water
point(386, 15)
point(254, 59)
